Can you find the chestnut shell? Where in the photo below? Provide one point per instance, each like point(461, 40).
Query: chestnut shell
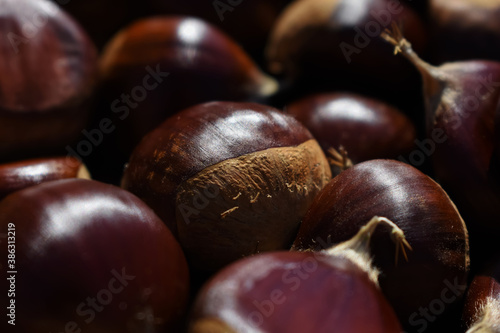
point(419, 206)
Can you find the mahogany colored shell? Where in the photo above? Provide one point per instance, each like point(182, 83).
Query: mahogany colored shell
point(419, 206)
point(79, 241)
point(48, 70)
point(292, 292)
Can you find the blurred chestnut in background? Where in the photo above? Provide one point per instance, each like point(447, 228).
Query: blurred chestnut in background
point(248, 22)
point(439, 262)
point(18, 175)
point(91, 257)
point(464, 29)
point(335, 44)
point(160, 65)
point(48, 74)
point(365, 127)
point(230, 179)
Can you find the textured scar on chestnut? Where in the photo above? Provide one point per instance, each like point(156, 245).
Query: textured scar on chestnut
point(230, 179)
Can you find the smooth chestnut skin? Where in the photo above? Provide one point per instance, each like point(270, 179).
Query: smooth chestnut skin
point(419, 206)
point(335, 43)
point(485, 285)
point(18, 175)
point(160, 65)
point(78, 240)
point(365, 127)
point(230, 179)
point(48, 71)
point(292, 292)
point(464, 29)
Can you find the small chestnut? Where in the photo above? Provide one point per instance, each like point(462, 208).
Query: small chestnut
point(92, 257)
point(229, 179)
point(49, 68)
point(18, 175)
point(420, 207)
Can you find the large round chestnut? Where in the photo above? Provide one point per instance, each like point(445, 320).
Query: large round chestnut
point(92, 257)
point(18, 175)
point(335, 43)
point(437, 267)
point(48, 71)
point(160, 65)
point(365, 127)
point(464, 29)
point(230, 179)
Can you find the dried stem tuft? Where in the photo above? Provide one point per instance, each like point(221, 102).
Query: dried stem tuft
point(339, 158)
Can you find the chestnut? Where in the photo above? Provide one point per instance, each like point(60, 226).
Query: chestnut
point(334, 44)
point(439, 262)
point(333, 290)
point(18, 175)
point(160, 65)
point(92, 257)
point(229, 179)
point(464, 29)
point(367, 128)
point(48, 71)
point(481, 312)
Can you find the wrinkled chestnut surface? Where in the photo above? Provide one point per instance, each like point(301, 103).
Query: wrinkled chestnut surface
point(292, 292)
point(223, 171)
point(48, 75)
point(18, 175)
point(365, 127)
point(419, 206)
point(78, 240)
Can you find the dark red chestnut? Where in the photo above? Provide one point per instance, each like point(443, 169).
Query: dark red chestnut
point(434, 277)
point(365, 127)
point(464, 29)
point(18, 175)
point(334, 43)
point(160, 65)
point(230, 179)
point(335, 290)
point(48, 75)
point(89, 257)
point(482, 306)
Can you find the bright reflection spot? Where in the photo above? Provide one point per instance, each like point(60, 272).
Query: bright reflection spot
point(34, 172)
point(191, 31)
point(351, 12)
point(345, 108)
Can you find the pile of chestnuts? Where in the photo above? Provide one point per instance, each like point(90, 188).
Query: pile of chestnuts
point(263, 166)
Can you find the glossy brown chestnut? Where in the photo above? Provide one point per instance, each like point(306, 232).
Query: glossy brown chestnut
point(482, 306)
point(48, 71)
point(330, 291)
point(230, 179)
point(335, 43)
point(420, 207)
point(90, 257)
point(464, 29)
point(160, 65)
point(18, 175)
point(365, 127)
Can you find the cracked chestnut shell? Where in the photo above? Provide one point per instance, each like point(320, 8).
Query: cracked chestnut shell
point(49, 69)
point(230, 179)
point(420, 207)
point(18, 175)
point(160, 65)
point(93, 257)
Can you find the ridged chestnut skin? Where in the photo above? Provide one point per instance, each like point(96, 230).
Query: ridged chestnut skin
point(335, 43)
point(48, 76)
point(91, 256)
point(420, 207)
point(167, 63)
point(230, 179)
point(464, 29)
point(292, 292)
point(485, 284)
point(18, 175)
point(365, 127)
